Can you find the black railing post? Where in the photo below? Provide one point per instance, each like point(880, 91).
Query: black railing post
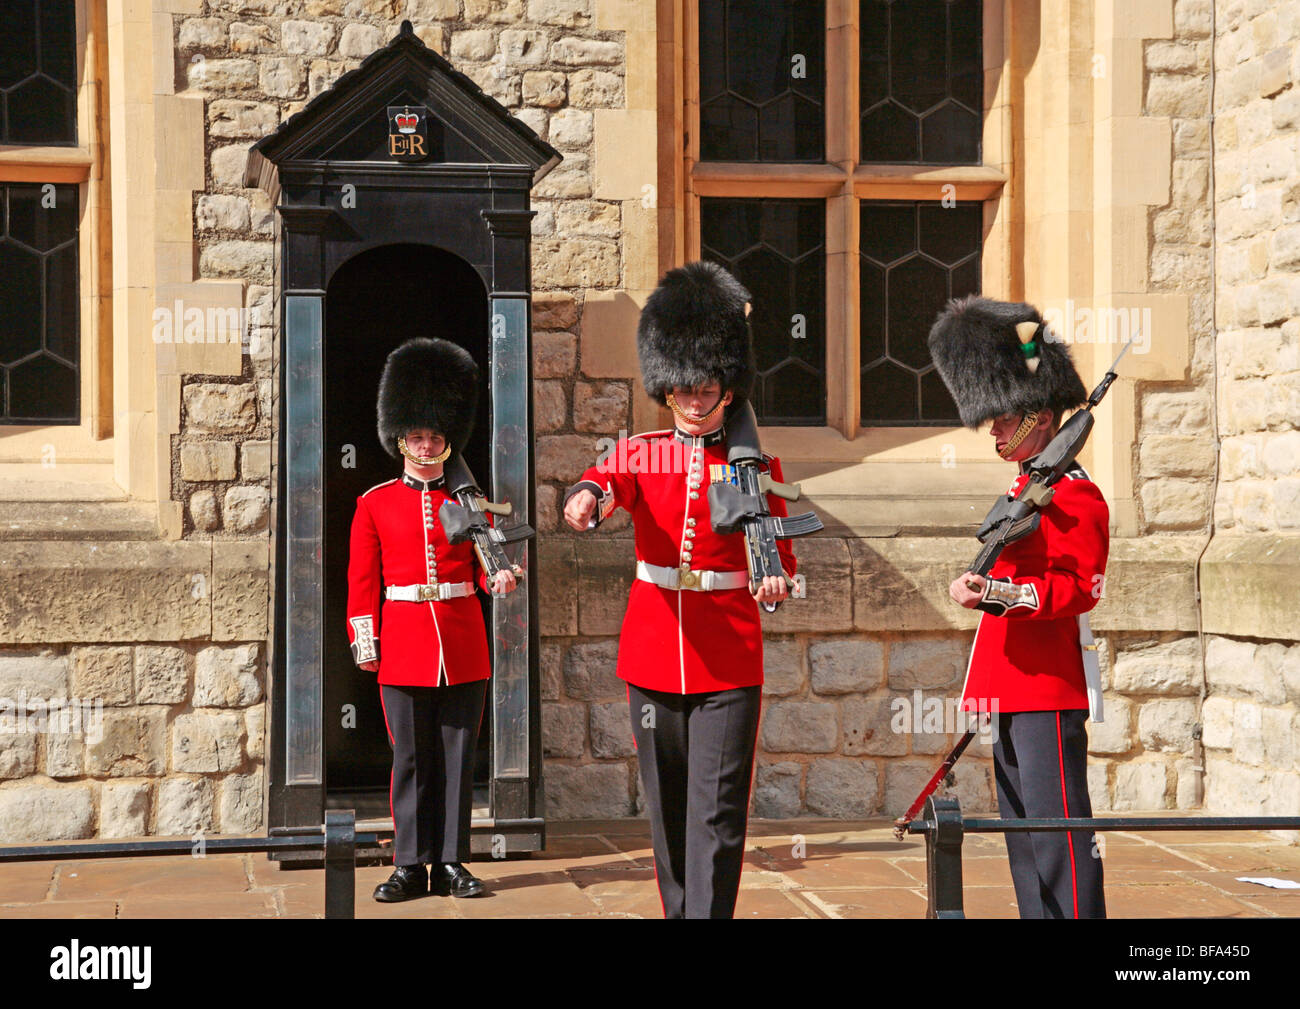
point(943, 857)
point(340, 863)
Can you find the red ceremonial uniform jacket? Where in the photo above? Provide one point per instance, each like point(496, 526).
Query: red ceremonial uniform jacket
point(1027, 655)
point(398, 540)
point(682, 641)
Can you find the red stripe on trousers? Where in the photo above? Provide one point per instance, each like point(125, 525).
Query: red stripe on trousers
point(1069, 838)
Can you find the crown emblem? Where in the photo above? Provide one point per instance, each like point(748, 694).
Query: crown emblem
point(406, 122)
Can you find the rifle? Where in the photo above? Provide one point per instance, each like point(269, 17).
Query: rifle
point(739, 503)
point(466, 519)
point(1013, 518)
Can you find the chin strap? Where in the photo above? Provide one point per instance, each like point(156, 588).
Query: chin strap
point(442, 456)
point(682, 415)
point(1027, 423)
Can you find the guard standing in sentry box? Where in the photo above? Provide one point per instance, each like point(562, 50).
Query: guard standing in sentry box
point(1033, 661)
point(691, 648)
point(428, 644)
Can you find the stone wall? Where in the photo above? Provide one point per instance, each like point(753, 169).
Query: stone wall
point(120, 741)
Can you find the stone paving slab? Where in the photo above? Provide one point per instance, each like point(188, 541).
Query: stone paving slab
point(604, 869)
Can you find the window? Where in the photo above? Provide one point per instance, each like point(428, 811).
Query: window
point(844, 184)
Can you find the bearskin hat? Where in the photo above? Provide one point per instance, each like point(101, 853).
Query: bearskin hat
point(693, 331)
point(430, 383)
point(993, 363)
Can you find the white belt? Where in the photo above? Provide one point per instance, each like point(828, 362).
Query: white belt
point(441, 591)
point(696, 581)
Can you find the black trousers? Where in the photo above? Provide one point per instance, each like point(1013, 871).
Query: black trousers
point(696, 753)
point(1040, 760)
point(433, 732)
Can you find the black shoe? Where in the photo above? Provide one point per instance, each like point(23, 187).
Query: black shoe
point(406, 883)
point(451, 879)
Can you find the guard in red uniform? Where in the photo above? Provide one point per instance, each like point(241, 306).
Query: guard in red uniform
point(1033, 661)
point(691, 649)
point(413, 618)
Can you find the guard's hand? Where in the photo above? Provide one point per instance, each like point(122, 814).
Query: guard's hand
point(967, 590)
point(503, 582)
point(772, 590)
point(580, 509)
point(370, 667)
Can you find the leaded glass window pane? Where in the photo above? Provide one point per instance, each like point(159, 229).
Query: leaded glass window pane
point(762, 80)
point(915, 255)
point(920, 81)
point(38, 68)
point(39, 296)
point(777, 249)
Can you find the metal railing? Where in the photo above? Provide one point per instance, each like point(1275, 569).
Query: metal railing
point(338, 839)
point(944, 830)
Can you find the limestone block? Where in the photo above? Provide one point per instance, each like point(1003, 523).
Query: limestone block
point(473, 45)
point(202, 33)
point(550, 406)
point(578, 52)
point(247, 509)
point(544, 222)
point(1234, 789)
point(359, 41)
point(595, 89)
point(548, 515)
point(903, 780)
point(557, 566)
point(576, 262)
point(1172, 57)
point(124, 809)
point(1247, 733)
point(109, 590)
point(1236, 669)
point(844, 789)
point(213, 408)
point(845, 666)
point(609, 321)
point(46, 813)
point(600, 408)
point(1252, 505)
point(525, 47)
point(255, 460)
point(240, 259)
point(589, 219)
point(800, 727)
point(1217, 719)
point(554, 310)
point(222, 75)
point(783, 672)
point(611, 731)
point(496, 81)
point(1176, 455)
point(1281, 453)
point(544, 88)
point(1167, 724)
point(871, 727)
point(207, 742)
point(1175, 412)
point(1115, 734)
point(306, 38)
point(102, 674)
point(973, 787)
point(1277, 737)
point(255, 731)
point(901, 584)
point(1099, 786)
point(432, 9)
point(1187, 791)
point(17, 754)
point(207, 460)
point(228, 165)
point(240, 589)
point(33, 675)
point(564, 458)
point(551, 663)
point(564, 730)
point(571, 128)
point(161, 674)
point(241, 803)
point(496, 11)
point(587, 791)
point(184, 806)
point(606, 569)
point(217, 212)
point(776, 790)
point(134, 744)
point(1174, 504)
point(1166, 668)
point(589, 672)
point(284, 77)
point(227, 677)
point(927, 662)
point(825, 566)
point(1141, 786)
point(251, 38)
point(65, 755)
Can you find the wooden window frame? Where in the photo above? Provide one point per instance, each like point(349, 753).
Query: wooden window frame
point(843, 181)
point(29, 446)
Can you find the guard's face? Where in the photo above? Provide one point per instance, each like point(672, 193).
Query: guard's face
point(1004, 429)
point(701, 399)
point(425, 443)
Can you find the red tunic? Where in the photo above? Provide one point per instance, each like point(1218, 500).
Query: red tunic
point(682, 641)
point(398, 540)
point(1029, 657)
